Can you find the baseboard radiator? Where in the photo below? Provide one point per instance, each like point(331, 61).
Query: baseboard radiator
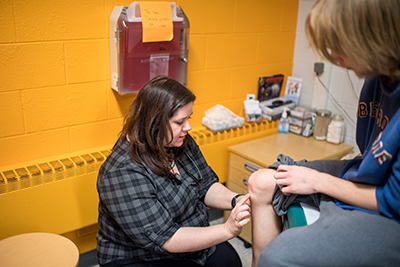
point(59, 195)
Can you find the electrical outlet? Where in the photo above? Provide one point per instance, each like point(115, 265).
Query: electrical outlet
point(318, 68)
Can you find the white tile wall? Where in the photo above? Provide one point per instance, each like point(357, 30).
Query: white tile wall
point(336, 79)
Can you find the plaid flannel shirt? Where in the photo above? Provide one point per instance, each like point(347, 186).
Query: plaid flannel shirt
point(139, 211)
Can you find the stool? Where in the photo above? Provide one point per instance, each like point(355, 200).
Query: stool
point(38, 249)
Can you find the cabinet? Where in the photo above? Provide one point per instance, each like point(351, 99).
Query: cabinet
point(247, 157)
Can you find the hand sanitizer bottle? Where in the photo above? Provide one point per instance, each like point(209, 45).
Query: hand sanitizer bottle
point(283, 125)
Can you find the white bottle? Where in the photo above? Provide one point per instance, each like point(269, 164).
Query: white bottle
point(283, 125)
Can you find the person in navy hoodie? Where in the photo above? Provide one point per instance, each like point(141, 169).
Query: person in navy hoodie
point(359, 223)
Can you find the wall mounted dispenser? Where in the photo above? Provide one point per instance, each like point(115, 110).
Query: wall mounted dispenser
point(134, 62)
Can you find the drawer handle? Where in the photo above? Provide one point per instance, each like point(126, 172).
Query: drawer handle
point(245, 181)
point(251, 167)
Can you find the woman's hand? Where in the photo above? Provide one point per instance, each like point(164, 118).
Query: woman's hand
point(239, 216)
point(296, 179)
point(248, 202)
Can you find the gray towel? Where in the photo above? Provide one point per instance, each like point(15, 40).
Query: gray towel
point(282, 202)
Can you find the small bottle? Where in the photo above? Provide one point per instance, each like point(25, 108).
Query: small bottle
point(336, 129)
point(283, 125)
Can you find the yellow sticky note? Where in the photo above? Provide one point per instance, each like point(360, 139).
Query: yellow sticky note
point(157, 23)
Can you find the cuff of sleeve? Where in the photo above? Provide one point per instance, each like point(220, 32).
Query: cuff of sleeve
point(387, 203)
point(381, 200)
point(161, 236)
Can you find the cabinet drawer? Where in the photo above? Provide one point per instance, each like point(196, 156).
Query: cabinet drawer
point(239, 178)
point(244, 164)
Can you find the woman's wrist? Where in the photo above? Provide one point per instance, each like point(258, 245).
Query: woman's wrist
point(235, 200)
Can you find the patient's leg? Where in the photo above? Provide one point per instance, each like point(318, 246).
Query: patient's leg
point(266, 225)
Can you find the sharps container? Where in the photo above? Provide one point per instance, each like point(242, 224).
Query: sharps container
point(322, 119)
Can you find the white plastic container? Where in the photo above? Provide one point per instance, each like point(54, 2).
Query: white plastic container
point(272, 109)
point(252, 109)
point(300, 121)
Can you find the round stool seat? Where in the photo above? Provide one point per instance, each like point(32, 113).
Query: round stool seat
point(38, 249)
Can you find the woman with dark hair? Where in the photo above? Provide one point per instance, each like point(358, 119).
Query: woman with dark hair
point(155, 188)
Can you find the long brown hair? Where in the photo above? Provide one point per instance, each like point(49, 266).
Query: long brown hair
point(365, 30)
point(147, 123)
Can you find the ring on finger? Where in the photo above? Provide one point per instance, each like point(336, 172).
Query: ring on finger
point(236, 218)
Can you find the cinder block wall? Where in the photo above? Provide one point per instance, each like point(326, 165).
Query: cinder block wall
point(55, 95)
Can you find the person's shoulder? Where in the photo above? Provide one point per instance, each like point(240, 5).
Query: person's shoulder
point(372, 81)
point(191, 143)
point(118, 169)
point(389, 86)
point(192, 147)
point(190, 138)
point(119, 158)
point(371, 86)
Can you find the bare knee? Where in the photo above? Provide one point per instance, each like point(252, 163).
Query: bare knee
point(262, 182)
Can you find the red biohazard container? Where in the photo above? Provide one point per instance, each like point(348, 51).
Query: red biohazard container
point(133, 62)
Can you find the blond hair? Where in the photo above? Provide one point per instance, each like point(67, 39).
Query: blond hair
point(367, 31)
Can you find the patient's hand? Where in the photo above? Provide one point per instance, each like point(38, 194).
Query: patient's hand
point(296, 179)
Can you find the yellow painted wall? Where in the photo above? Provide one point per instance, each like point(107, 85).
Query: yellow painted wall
point(55, 95)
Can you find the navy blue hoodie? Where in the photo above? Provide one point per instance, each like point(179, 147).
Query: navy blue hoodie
point(378, 138)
